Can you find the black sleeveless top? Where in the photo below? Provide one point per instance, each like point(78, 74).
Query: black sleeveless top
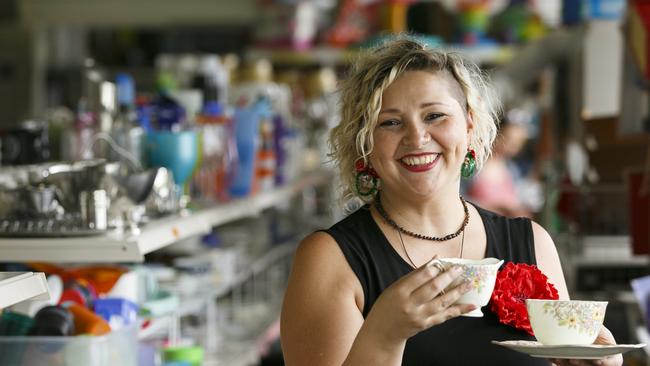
point(459, 341)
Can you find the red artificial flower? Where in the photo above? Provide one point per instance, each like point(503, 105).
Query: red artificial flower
point(515, 283)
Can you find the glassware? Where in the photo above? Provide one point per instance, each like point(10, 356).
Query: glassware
point(177, 151)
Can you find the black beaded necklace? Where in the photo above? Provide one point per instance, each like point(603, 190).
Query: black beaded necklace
point(392, 223)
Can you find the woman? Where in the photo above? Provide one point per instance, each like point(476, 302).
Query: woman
point(360, 292)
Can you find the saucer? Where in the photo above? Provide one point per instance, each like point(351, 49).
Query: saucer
point(586, 352)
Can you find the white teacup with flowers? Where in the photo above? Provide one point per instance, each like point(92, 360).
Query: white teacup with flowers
point(481, 274)
point(566, 322)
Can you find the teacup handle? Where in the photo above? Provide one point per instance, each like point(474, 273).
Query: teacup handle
point(435, 262)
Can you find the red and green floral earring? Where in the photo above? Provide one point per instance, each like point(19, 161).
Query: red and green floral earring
point(367, 179)
point(468, 168)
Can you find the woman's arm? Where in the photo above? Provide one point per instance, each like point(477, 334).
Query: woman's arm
point(548, 262)
point(322, 322)
point(321, 313)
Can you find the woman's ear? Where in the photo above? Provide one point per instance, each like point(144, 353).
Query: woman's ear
point(470, 125)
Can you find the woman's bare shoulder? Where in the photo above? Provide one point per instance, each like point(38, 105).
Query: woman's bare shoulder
point(324, 293)
point(319, 255)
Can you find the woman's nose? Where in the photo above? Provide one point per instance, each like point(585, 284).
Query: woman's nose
point(416, 136)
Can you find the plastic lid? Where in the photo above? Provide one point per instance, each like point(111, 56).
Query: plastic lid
point(192, 354)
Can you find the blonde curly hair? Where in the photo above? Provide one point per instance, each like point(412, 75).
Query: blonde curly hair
point(361, 98)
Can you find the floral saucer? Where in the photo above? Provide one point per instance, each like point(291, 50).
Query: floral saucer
point(586, 352)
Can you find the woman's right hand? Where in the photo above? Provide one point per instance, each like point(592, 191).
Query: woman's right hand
point(416, 302)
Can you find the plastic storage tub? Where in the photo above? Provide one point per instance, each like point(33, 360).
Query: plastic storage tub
point(116, 348)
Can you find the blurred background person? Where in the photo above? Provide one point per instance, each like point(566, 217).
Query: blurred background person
point(505, 185)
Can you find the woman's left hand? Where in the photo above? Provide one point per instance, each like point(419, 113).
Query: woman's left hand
point(604, 337)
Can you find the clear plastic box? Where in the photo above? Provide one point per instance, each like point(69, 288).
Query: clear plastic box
point(116, 348)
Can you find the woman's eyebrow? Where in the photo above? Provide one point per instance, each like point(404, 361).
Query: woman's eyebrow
point(423, 105)
point(389, 110)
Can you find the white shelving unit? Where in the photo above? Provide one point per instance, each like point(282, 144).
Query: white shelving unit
point(330, 56)
point(17, 287)
point(118, 247)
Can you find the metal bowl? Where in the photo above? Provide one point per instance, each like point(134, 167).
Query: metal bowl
point(84, 175)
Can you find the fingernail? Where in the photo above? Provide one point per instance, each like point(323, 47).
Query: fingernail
point(467, 286)
point(458, 269)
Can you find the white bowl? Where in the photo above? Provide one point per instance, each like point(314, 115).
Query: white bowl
point(566, 322)
point(482, 274)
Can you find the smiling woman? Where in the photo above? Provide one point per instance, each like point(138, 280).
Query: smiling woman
point(366, 291)
point(421, 136)
point(364, 100)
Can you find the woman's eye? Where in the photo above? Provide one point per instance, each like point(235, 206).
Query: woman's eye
point(389, 123)
point(432, 116)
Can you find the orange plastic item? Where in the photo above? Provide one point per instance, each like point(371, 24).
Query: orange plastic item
point(87, 322)
point(102, 278)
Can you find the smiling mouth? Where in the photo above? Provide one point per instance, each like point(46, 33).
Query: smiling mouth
point(419, 161)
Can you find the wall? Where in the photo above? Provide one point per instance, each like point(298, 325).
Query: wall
point(136, 12)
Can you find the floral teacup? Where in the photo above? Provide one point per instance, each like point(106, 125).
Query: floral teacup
point(481, 274)
point(562, 322)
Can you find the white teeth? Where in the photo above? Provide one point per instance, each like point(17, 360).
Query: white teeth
point(419, 160)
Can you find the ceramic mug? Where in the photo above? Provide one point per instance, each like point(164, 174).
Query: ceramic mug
point(481, 274)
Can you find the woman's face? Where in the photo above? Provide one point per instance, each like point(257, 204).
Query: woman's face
point(422, 134)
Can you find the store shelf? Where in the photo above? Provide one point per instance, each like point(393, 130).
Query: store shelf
point(609, 251)
point(328, 56)
point(118, 247)
point(245, 352)
point(275, 254)
point(17, 287)
point(495, 55)
point(248, 352)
